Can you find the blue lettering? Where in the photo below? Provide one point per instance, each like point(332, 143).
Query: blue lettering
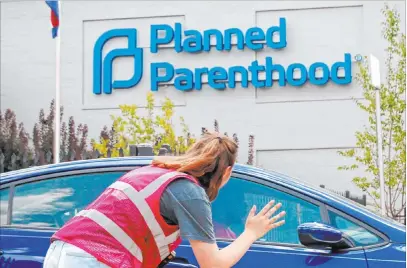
point(270, 68)
point(232, 76)
point(290, 74)
point(217, 73)
point(347, 66)
point(228, 39)
point(194, 41)
point(254, 34)
point(155, 40)
point(185, 82)
point(254, 68)
point(104, 66)
point(219, 77)
point(198, 77)
point(282, 29)
point(207, 39)
point(178, 37)
point(155, 76)
point(254, 38)
point(325, 73)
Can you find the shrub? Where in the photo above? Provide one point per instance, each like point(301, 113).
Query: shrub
point(73, 141)
point(157, 130)
point(14, 148)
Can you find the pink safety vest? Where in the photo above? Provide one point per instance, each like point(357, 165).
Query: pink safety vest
point(123, 227)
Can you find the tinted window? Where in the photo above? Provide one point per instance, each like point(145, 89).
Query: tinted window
point(4, 205)
point(235, 199)
point(51, 203)
point(359, 235)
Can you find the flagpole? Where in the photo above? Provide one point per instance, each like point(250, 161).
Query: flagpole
point(57, 123)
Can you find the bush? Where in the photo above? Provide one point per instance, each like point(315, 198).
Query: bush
point(130, 128)
point(43, 136)
point(16, 152)
point(14, 149)
point(73, 140)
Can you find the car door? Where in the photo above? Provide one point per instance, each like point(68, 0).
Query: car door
point(37, 207)
point(280, 247)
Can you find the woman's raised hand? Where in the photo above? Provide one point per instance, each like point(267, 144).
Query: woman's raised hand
point(259, 224)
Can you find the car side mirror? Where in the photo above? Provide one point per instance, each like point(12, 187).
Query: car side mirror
point(321, 236)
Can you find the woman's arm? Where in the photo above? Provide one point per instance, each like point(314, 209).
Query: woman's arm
point(209, 255)
point(187, 205)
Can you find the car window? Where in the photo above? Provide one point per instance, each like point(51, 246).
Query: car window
point(52, 202)
point(4, 205)
point(231, 207)
point(359, 235)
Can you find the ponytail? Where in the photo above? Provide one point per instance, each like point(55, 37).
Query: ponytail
point(206, 160)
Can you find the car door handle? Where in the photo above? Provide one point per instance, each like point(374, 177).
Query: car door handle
point(1, 252)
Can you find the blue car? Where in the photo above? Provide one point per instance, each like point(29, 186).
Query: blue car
point(321, 229)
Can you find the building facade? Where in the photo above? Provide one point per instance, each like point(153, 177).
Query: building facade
point(297, 100)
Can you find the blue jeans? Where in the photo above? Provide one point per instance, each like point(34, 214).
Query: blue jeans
point(64, 255)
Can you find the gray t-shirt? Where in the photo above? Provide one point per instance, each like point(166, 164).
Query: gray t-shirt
point(187, 205)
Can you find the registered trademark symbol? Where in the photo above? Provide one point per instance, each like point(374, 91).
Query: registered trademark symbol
point(358, 57)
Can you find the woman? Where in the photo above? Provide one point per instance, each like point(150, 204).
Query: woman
point(140, 219)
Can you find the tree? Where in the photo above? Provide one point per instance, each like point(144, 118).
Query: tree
point(393, 105)
point(250, 160)
point(107, 141)
point(73, 141)
point(76, 140)
point(131, 128)
point(14, 150)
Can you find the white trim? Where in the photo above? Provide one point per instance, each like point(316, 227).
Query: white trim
point(114, 230)
point(155, 185)
point(147, 214)
point(138, 199)
point(172, 237)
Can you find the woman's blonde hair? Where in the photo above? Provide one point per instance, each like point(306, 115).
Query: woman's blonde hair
point(206, 160)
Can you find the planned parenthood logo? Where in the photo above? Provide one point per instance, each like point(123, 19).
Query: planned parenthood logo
point(219, 78)
point(102, 67)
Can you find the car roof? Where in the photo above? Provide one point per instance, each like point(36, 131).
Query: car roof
point(268, 175)
point(22, 174)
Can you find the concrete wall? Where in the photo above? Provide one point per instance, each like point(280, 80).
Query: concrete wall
point(298, 130)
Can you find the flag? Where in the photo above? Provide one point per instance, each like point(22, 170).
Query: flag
point(54, 16)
